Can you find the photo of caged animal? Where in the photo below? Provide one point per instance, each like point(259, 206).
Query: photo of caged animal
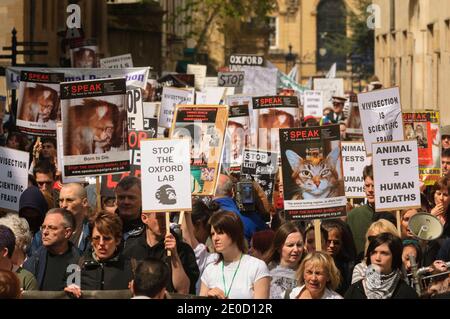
point(315, 176)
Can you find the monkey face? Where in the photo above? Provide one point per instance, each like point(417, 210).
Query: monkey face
point(85, 58)
point(166, 195)
point(45, 106)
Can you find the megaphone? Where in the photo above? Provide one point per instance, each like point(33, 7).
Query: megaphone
point(425, 226)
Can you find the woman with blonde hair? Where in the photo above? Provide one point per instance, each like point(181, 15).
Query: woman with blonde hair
point(317, 277)
point(376, 228)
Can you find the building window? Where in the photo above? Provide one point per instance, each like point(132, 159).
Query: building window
point(273, 35)
point(331, 26)
point(447, 35)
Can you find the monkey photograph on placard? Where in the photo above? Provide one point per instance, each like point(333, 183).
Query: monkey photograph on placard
point(96, 126)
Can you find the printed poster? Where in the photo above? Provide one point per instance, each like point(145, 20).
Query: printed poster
point(354, 160)
point(172, 96)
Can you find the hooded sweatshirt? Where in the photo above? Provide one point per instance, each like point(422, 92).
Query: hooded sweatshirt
point(33, 198)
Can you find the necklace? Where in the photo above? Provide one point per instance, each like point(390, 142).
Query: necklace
point(227, 293)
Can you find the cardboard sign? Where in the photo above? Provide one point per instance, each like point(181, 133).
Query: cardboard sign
point(232, 79)
point(312, 155)
point(330, 88)
point(94, 127)
point(313, 103)
point(354, 129)
point(117, 62)
point(170, 98)
point(205, 126)
point(237, 61)
point(150, 113)
point(199, 72)
point(396, 175)
point(381, 116)
point(38, 107)
point(424, 127)
point(84, 54)
point(260, 81)
point(262, 167)
point(165, 175)
point(211, 81)
point(211, 95)
point(354, 160)
point(134, 109)
point(13, 177)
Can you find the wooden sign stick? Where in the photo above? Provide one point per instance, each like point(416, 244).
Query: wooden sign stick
point(97, 193)
point(169, 253)
point(180, 220)
point(317, 235)
point(399, 229)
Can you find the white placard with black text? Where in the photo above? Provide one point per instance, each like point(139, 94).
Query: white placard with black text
point(354, 160)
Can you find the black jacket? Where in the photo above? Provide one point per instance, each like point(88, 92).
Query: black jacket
point(112, 274)
point(139, 249)
point(402, 291)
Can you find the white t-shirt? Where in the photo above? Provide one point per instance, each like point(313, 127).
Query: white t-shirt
point(250, 270)
point(283, 278)
point(328, 294)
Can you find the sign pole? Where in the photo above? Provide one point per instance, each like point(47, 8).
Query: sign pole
point(180, 220)
point(97, 193)
point(317, 235)
point(169, 253)
point(399, 229)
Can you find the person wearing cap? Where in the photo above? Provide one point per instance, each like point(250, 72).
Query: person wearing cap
point(337, 114)
point(309, 121)
point(445, 137)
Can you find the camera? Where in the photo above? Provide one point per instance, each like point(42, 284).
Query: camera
point(245, 195)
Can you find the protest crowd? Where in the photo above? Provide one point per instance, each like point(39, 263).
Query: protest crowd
point(257, 190)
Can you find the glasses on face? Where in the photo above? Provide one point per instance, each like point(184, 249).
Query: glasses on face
point(106, 239)
point(50, 228)
point(48, 183)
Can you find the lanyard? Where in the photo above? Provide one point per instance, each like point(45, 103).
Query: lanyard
point(232, 280)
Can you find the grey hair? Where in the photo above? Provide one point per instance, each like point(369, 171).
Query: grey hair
point(225, 189)
point(68, 219)
point(20, 228)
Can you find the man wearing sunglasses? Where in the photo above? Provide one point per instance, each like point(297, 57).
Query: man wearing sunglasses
point(44, 172)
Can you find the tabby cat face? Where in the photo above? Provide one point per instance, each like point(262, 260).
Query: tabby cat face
point(315, 179)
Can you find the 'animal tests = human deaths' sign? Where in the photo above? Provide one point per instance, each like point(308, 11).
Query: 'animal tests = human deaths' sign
point(354, 160)
point(396, 175)
point(381, 116)
point(13, 177)
point(165, 173)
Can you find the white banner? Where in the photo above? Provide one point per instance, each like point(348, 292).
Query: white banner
point(381, 116)
point(330, 88)
point(13, 177)
point(354, 160)
point(165, 174)
point(313, 103)
point(396, 175)
point(135, 77)
point(117, 62)
point(170, 97)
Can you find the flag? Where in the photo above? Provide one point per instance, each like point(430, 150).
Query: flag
point(293, 73)
point(332, 72)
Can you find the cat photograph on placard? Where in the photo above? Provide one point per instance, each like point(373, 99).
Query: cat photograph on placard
point(315, 171)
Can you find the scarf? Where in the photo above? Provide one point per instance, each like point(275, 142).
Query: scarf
point(378, 286)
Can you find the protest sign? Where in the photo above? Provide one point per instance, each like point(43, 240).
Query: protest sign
point(311, 165)
point(135, 77)
point(381, 116)
point(170, 97)
point(83, 54)
point(199, 71)
point(232, 79)
point(396, 175)
point(260, 81)
point(313, 103)
point(60, 156)
point(241, 99)
point(354, 130)
point(237, 61)
point(134, 109)
point(117, 62)
point(330, 88)
point(38, 106)
point(165, 175)
point(13, 177)
point(423, 126)
point(354, 160)
point(271, 113)
point(262, 167)
point(205, 126)
point(179, 80)
point(150, 113)
point(211, 81)
point(94, 127)
point(210, 95)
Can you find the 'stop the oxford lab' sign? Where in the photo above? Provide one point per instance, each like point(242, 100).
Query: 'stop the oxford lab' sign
point(237, 61)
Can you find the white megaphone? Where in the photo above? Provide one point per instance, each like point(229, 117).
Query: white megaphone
point(425, 226)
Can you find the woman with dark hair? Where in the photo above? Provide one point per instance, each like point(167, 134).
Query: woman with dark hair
point(341, 247)
point(260, 243)
point(441, 199)
point(9, 285)
point(104, 267)
point(411, 249)
point(383, 278)
point(234, 274)
point(283, 258)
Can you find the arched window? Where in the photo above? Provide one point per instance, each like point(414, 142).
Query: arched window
point(331, 25)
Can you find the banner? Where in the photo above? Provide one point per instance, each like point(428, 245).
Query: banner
point(423, 126)
point(260, 81)
point(396, 175)
point(330, 88)
point(134, 110)
point(270, 113)
point(135, 77)
point(170, 98)
point(38, 103)
point(94, 127)
point(381, 116)
point(354, 160)
point(205, 126)
point(117, 62)
point(165, 175)
point(13, 177)
point(262, 167)
point(313, 103)
point(311, 163)
point(237, 61)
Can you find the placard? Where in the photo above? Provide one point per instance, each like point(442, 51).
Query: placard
point(117, 62)
point(172, 96)
point(313, 103)
point(354, 160)
point(330, 88)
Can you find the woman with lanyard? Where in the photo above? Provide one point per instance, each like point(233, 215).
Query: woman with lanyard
point(234, 274)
